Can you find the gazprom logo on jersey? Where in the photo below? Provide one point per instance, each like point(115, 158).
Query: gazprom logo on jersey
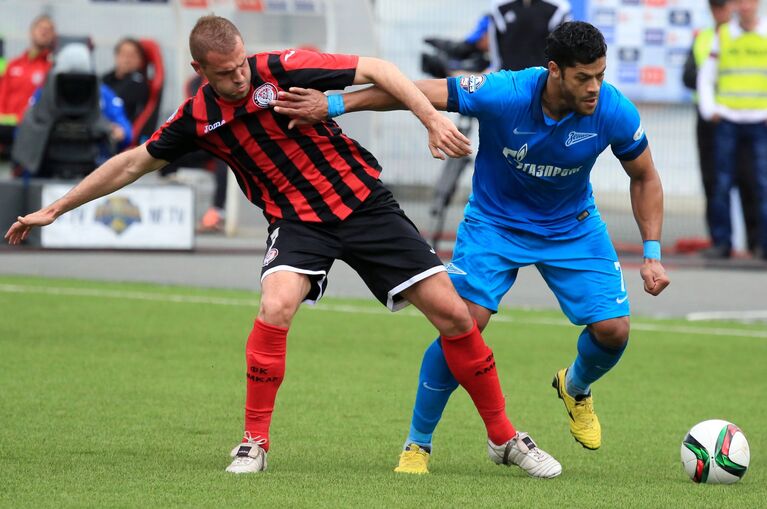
point(516, 159)
point(472, 82)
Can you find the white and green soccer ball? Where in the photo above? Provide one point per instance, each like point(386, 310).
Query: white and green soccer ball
point(715, 452)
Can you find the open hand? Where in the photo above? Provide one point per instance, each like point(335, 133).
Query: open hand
point(303, 105)
point(19, 230)
point(445, 137)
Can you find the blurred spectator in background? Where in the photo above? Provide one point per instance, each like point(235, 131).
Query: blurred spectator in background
point(3, 61)
point(745, 179)
point(480, 36)
point(74, 122)
point(23, 76)
point(127, 79)
point(519, 30)
point(732, 89)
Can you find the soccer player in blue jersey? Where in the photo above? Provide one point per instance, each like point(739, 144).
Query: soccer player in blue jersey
point(541, 130)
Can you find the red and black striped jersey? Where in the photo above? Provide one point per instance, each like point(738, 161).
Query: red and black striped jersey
point(309, 173)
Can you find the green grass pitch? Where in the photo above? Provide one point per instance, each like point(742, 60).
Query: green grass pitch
point(125, 395)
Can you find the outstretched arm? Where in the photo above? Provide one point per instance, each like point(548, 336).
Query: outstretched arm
point(443, 135)
point(116, 173)
point(647, 203)
point(393, 90)
point(377, 99)
point(308, 106)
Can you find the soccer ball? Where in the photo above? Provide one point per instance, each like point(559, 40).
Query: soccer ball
point(715, 452)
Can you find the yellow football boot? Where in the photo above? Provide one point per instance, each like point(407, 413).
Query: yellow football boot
point(584, 423)
point(413, 460)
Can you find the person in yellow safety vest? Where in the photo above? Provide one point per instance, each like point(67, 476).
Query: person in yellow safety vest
point(732, 90)
point(721, 12)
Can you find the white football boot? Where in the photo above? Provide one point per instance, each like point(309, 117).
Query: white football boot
point(249, 457)
point(522, 451)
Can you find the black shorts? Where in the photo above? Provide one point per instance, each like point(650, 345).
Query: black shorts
point(377, 240)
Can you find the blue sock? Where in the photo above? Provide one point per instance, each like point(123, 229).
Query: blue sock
point(435, 385)
point(592, 363)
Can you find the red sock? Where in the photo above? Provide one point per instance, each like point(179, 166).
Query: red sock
point(472, 364)
point(265, 358)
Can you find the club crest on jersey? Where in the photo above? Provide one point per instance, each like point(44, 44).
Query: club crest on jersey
point(576, 137)
point(472, 82)
point(264, 94)
point(270, 256)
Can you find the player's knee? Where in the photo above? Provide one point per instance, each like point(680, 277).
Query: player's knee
point(454, 318)
point(613, 333)
point(276, 310)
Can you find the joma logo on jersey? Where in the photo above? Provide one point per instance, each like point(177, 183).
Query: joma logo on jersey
point(214, 125)
point(516, 159)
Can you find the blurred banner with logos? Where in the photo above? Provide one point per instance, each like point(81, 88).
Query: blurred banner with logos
point(648, 42)
point(137, 217)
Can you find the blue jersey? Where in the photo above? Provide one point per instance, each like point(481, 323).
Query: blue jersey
point(532, 172)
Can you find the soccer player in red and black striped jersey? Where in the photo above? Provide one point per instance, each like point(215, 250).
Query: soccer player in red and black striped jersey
point(320, 191)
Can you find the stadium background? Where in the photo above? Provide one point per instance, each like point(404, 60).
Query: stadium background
point(647, 48)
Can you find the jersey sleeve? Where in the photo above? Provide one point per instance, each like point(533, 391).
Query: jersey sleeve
point(481, 95)
point(175, 137)
point(320, 71)
point(628, 139)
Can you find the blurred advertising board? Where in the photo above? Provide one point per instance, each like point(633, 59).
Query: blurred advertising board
point(648, 42)
point(137, 217)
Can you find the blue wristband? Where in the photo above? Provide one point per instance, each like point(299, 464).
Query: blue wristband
point(652, 249)
point(336, 105)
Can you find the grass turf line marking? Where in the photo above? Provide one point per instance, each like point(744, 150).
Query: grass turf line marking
point(757, 315)
point(344, 308)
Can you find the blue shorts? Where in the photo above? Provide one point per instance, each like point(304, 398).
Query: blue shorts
point(583, 272)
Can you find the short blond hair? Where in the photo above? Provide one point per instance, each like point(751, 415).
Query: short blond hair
point(212, 33)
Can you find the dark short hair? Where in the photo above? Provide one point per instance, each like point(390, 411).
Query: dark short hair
point(575, 42)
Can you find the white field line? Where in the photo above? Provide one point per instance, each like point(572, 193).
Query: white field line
point(346, 308)
point(743, 316)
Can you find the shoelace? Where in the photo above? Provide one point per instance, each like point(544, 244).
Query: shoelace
point(245, 460)
point(536, 454)
point(532, 451)
point(258, 440)
point(411, 458)
point(588, 408)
